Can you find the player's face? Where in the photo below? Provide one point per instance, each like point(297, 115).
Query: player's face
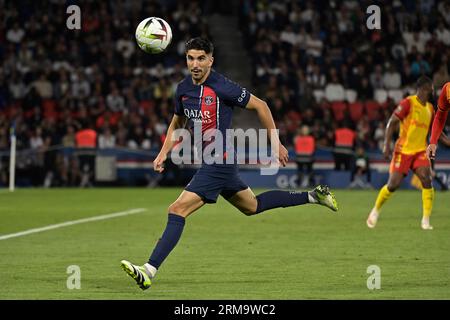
point(426, 91)
point(199, 63)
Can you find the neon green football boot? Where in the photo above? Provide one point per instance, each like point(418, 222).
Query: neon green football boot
point(137, 273)
point(324, 197)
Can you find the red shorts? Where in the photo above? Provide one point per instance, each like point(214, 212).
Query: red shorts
point(403, 162)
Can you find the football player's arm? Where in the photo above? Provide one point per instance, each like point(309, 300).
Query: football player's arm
point(176, 123)
point(391, 127)
point(438, 124)
point(265, 116)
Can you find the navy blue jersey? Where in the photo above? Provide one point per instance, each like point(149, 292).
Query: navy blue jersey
point(211, 103)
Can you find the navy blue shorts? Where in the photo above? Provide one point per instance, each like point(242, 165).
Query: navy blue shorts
point(211, 180)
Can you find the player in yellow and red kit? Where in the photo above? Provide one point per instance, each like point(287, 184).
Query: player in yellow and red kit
point(414, 114)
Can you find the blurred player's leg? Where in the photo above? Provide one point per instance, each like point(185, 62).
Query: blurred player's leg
point(395, 178)
point(436, 178)
point(249, 204)
point(415, 182)
point(187, 203)
point(424, 174)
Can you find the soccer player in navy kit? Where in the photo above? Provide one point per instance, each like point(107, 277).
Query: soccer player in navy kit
point(207, 99)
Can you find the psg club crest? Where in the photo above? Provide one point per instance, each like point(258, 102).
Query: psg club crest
point(208, 100)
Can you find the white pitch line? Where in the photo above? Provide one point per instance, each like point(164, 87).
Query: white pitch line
point(72, 222)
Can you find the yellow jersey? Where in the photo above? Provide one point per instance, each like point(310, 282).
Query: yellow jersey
point(415, 123)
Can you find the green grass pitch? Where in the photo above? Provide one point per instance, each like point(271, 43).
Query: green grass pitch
point(305, 252)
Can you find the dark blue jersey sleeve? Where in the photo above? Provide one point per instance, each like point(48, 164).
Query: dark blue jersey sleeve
point(233, 93)
point(178, 105)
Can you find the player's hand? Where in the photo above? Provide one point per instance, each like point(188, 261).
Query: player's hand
point(387, 151)
point(283, 155)
point(431, 151)
point(158, 162)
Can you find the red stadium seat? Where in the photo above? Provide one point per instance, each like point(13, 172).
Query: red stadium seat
point(324, 104)
point(356, 110)
point(146, 105)
point(293, 120)
point(372, 109)
point(48, 105)
point(339, 109)
point(295, 116)
point(50, 109)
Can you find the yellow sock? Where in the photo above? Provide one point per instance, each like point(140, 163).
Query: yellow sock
point(383, 195)
point(427, 201)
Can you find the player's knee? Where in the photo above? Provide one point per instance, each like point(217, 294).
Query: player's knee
point(248, 211)
point(393, 186)
point(426, 181)
point(176, 208)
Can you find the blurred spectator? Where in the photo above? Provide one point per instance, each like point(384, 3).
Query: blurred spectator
point(37, 156)
point(68, 139)
point(305, 146)
point(115, 101)
point(361, 170)
point(344, 141)
point(314, 45)
point(288, 36)
point(125, 46)
point(81, 88)
point(138, 139)
point(376, 78)
point(15, 34)
point(334, 91)
point(391, 78)
point(86, 141)
point(316, 79)
point(443, 34)
point(364, 90)
point(106, 139)
point(16, 87)
point(379, 135)
point(43, 86)
point(440, 77)
point(420, 66)
point(416, 40)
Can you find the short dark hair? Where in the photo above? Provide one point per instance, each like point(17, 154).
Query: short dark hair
point(422, 81)
point(200, 44)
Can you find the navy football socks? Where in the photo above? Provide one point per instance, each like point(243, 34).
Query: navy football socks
point(276, 199)
point(168, 240)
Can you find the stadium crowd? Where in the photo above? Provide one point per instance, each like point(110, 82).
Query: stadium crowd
point(54, 81)
point(315, 62)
